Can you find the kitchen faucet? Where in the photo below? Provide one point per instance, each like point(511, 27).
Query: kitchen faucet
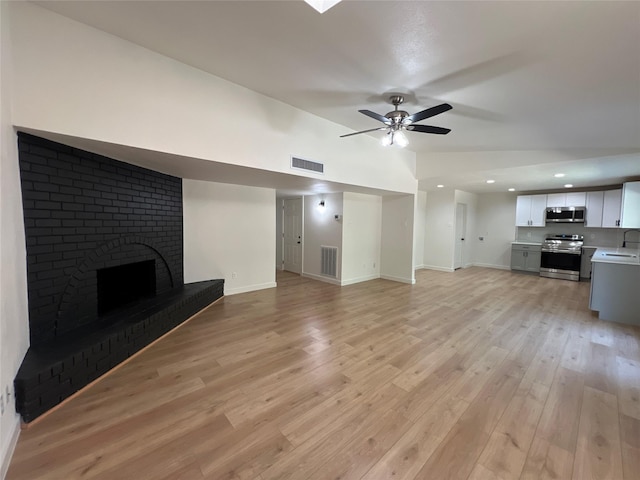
point(624, 236)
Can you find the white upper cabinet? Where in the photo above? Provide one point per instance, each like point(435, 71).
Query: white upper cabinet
point(530, 210)
point(556, 199)
point(611, 206)
point(594, 204)
point(631, 205)
point(571, 199)
point(576, 199)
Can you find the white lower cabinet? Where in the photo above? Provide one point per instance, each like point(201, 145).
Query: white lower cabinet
point(526, 258)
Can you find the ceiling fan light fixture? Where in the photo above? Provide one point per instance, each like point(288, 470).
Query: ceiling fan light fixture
point(394, 136)
point(400, 139)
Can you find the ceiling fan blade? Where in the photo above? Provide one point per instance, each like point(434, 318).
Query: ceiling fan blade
point(428, 129)
point(376, 116)
point(363, 131)
point(429, 112)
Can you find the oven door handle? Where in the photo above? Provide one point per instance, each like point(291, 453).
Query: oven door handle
point(572, 252)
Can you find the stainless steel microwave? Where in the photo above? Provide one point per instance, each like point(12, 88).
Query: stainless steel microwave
point(565, 215)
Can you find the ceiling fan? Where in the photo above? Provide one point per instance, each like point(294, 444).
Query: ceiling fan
point(398, 121)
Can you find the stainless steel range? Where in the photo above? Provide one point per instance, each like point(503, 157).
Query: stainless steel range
point(561, 257)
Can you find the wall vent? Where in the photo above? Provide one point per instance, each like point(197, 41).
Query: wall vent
point(329, 261)
point(308, 165)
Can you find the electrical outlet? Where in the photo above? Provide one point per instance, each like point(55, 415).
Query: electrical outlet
point(234, 275)
point(374, 264)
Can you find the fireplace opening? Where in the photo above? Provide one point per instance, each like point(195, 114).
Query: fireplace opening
point(125, 284)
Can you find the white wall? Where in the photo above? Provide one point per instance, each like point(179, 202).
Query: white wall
point(496, 224)
point(361, 237)
point(469, 244)
point(420, 226)
point(440, 230)
point(98, 86)
point(396, 254)
point(321, 229)
point(227, 229)
point(14, 323)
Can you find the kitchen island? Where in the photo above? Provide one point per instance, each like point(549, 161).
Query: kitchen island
point(615, 285)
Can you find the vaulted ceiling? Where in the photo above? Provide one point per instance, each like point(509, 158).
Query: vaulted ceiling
point(536, 87)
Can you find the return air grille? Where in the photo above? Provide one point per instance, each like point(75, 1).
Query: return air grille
point(302, 164)
point(329, 261)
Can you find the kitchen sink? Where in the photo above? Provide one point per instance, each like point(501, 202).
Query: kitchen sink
point(627, 255)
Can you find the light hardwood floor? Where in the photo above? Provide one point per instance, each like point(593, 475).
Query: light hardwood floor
point(477, 374)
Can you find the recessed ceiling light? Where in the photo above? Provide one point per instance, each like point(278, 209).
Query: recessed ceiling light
point(491, 181)
point(512, 189)
point(322, 5)
point(440, 186)
point(559, 175)
point(568, 185)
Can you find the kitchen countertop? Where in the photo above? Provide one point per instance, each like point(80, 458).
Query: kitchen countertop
point(538, 244)
point(622, 256)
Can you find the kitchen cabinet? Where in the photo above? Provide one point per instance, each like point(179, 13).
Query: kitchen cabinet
point(594, 204)
point(631, 205)
point(611, 206)
point(530, 210)
point(614, 285)
point(571, 199)
point(585, 262)
point(526, 258)
point(556, 199)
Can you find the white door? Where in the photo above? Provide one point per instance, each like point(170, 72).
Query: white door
point(292, 226)
point(461, 226)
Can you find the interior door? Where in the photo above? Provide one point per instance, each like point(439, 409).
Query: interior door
point(292, 229)
point(461, 226)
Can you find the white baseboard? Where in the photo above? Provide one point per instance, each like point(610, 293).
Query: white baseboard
point(248, 288)
point(419, 267)
point(366, 278)
point(321, 278)
point(10, 447)
point(439, 269)
point(491, 265)
point(410, 281)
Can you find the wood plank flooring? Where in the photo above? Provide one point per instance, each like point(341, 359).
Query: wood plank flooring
point(477, 374)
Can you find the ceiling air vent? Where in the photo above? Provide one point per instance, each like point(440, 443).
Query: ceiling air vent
point(308, 165)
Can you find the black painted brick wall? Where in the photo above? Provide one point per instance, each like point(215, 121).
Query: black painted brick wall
point(82, 212)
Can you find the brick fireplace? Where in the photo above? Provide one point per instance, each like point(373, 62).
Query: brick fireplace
point(104, 267)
